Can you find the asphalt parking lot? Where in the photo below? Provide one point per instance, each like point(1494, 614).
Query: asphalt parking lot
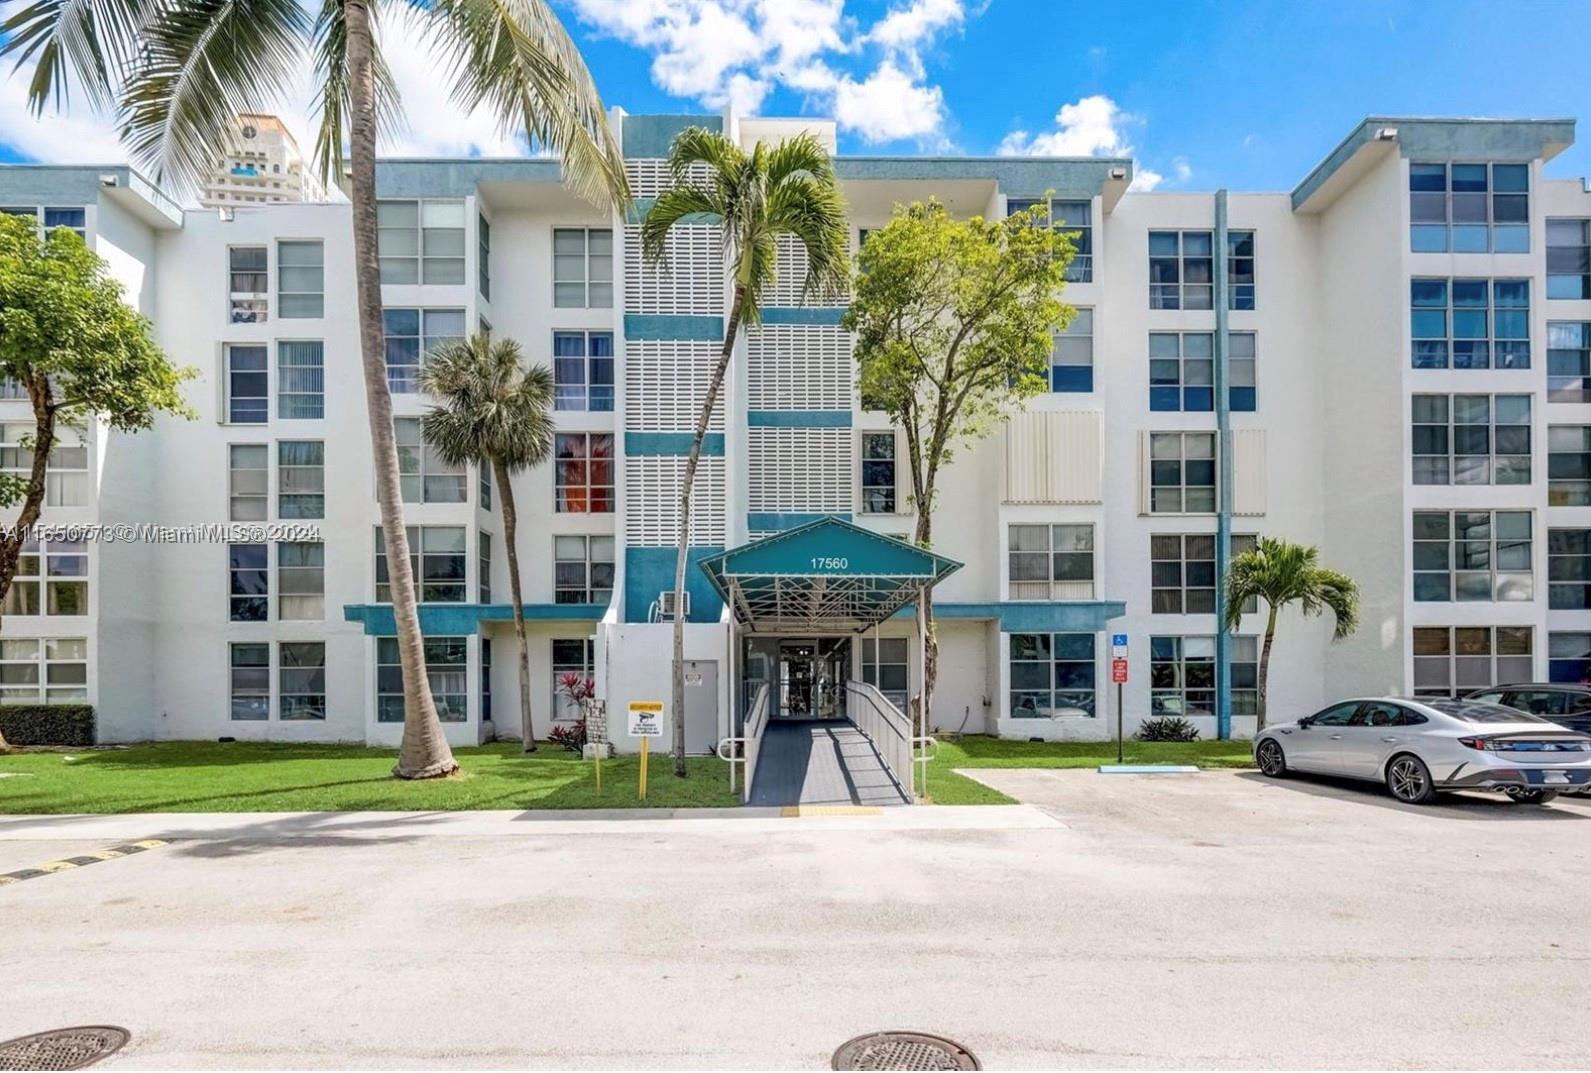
point(1210, 920)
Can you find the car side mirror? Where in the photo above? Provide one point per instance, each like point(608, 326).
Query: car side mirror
point(1305, 722)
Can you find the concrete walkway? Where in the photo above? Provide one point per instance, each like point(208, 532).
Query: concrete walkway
point(820, 762)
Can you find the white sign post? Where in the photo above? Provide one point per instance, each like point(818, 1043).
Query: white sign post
point(646, 723)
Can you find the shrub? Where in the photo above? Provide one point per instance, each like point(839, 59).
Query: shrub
point(571, 736)
point(47, 724)
point(1169, 728)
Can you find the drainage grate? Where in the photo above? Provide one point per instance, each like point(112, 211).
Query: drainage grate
point(63, 1048)
point(903, 1050)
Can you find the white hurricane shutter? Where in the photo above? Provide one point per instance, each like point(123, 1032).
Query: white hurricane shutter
point(1248, 471)
point(1054, 457)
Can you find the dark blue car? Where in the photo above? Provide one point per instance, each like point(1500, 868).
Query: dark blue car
point(1567, 705)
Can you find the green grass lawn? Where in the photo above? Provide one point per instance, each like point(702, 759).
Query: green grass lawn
point(945, 787)
point(251, 777)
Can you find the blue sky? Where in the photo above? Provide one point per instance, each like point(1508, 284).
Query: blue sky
point(1242, 94)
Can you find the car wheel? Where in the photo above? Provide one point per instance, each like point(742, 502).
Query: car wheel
point(1269, 756)
point(1409, 779)
point(1533, 797)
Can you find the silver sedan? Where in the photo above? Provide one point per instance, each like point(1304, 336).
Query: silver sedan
point(1419, 748)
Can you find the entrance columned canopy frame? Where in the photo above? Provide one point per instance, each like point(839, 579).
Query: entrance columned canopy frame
point(828, 576)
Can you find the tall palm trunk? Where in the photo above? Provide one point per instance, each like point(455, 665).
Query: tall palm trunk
point(40, 394)
point(505, 492)
point(731, 329)
point(1264, 671)
point(424, 752)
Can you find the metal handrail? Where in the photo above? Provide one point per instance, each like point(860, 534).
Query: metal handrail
point(887, 727)
point(751, 739)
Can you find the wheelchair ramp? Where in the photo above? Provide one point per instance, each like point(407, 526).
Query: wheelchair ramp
point(820, 762)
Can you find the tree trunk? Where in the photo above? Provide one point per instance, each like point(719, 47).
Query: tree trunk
point(39, 393)
point(1264, 671)
point(925, 539)
point(505, 493)
point(682, 556)
point(424, 752)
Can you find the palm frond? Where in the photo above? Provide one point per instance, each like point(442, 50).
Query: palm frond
point(329, 47)
point(490, 405)
point(1281, 572)
point(672, 206)
point(515, 58)
point(801, 155)
point(698, 145)
point(89, 41)
point(811, 208)
point(203, 63)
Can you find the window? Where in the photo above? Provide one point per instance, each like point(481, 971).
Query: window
point(248, 482)
point(300, 379)
point(483, 567)
point(64, 583)
point(301, 479)
point(249, 285)
point(248, 385)
point(1470, 323)
point(421, 241)
point(301, 680)
point(1075, 218)
point(437, 560)
point(485, 489)
point(1568, 658)
point(1568, 361)
point(425, 477)
point(1569, 569)
point(1451, 661)
point(51, 669)
point(884, 665)
point(301, 580)
point(250, 587)
point(1182, 371)
point(1471, 439)
point(582, 569)
point(250, 681)
point(1181, 270)
point(23, 596)
point(1469, 556)
point(300, 280)
point(1569, 259)
point(1182, 473)
point(584, 472)
point(1182, 572)
point(1050, 562)
point(1469, 208)
point(1241, 390)
point(1182, 675)
point(878, 473)
point(1569, 466)
point(446, 668)
point(1072, 356)
point(582, 268)
point(483, 238)
point(1052, 674)
point(66, 474)
point(486, 679)
point(582, 368)
point(569, 656)
point(412, 333)
point(1240, 269)
point(72, 218)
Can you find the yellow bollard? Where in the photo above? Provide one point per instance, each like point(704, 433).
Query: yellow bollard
point(596, 758)
point(643, 767)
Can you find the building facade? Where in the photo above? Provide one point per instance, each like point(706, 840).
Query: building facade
point(261, 165)
point(1404, 343)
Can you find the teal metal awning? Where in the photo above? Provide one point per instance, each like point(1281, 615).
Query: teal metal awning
point(826, 576)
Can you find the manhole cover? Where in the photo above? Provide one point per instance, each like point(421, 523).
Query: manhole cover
point(63, 1048)
point(903, 1050)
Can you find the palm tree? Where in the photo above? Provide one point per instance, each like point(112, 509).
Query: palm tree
point(495, 412)
point(176, 72)
point(1281, 573)
point(784, 190)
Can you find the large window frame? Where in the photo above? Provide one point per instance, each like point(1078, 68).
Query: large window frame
point(413, 332)
point(1053, 675)
point(1453, 660)
point(1182, 473)
point(1182, 578)
point(53, 670)
point(248, 482)
point(300, 279)
point(1469, 207)
point(1568, 259)
point(1050, 561)
point(569, 655)
point(300, 379)
point(1072, 355)
point(886, 665)
point(446, 668)
point(1471, 439)
point(438, 559)
point(1070, 217)
point(582, 369)
point(300, 479)
point(249, 582)
point(301, 681)
point(423, 474)
point(301, 581)
point(1181, 269)
point(1568, 361)
point(583, 473)
point(1473, 556)
point(421, 241)
point(1569, 465)
point(248, 285)
point(583, 568)
point(1464, 322)
point(1182, 675)
point(879, 459)
point(248, 383)
point(582, 268)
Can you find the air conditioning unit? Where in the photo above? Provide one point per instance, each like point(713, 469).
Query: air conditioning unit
point(665, 603)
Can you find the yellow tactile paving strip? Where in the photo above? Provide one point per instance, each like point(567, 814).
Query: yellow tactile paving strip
point(831, 810)
point(66, 864)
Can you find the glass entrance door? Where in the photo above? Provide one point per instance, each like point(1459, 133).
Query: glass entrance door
point(811, 677)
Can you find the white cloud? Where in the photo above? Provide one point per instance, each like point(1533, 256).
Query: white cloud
point(889, 105)
point(917, 23)
point(1092, 126)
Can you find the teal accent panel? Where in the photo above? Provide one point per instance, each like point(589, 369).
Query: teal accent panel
point(440, 177)
point(64, 185)
point(636, 211)
point(1018, 176)
point(649, 571)
point(764, 522)
point(830, 546)
point(671, 443)
point(1034, 616)
point(456, 620)
point(1223, 445)
point(803, 315)
point(692, 328)
point(798, 418)
point(649, 136)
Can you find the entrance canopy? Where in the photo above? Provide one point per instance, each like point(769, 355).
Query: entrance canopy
point(827, 576)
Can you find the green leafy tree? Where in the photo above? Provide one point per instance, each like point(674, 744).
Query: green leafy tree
point(176, 72)
point(495, 412)
point(1281, 573)
point(78, 351)
point(954, 322)
point(784, 190)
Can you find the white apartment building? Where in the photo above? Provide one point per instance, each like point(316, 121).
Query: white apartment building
point(261, 165)
point(1404, 340)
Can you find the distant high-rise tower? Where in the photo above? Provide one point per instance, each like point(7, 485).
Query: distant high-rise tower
point(261, 165)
